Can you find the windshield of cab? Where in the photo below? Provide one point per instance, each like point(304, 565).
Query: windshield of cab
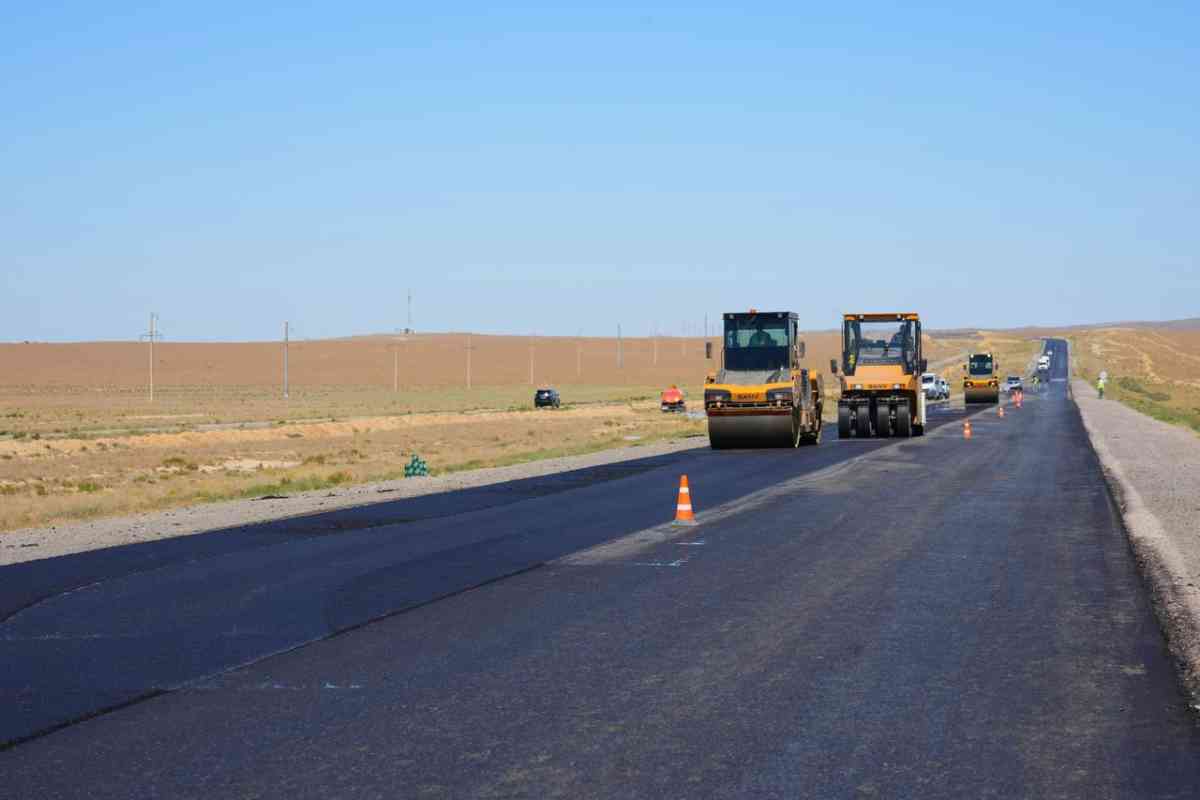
point(756, 344)
point(981, 364)
point(891, 342)
point(927, 378)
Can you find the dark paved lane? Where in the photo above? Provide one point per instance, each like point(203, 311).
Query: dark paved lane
point(91, 631)
point(942, 618)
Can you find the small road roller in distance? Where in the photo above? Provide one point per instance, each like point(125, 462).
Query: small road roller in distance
point(761, 397)
point(981, 383)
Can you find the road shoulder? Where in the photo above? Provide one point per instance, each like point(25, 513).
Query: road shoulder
point(1153, 470)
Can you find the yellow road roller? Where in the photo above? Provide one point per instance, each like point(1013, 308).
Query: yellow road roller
point(981, 383)
point(760, 396)
point(882, 362)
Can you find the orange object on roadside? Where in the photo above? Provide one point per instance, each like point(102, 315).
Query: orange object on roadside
point(1000, 412)
point(966, 429)
point(684, 515)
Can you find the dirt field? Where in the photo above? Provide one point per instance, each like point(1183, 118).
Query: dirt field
point(79, 437)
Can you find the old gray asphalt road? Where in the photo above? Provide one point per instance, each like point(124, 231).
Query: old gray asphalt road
point(938, 618)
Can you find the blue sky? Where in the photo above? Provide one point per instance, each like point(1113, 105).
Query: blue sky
point(536, 168)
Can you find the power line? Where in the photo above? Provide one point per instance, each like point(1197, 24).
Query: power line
point(285, 360)
point(151, 336)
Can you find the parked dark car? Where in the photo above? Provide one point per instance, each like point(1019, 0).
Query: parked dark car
point(546, 398)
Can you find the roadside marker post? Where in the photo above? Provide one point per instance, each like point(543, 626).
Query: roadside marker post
point(684, 514)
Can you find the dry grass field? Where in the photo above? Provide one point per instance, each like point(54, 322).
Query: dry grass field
point(79, 437)
point(1155, 370)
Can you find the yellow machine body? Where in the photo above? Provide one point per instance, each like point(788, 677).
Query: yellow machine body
point(761, 397)
point(981, 381)
point(880, 378)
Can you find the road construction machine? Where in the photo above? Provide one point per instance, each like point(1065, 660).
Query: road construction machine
point(761, 396)
point(981, 381)
point(881, 376)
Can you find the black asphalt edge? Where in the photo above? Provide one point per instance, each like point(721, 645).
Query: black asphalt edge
point(10, 613)
point(99, 712)
point(161, 692)
point(1177, 610)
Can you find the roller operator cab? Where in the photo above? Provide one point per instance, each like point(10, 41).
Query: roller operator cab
point(881, 368)
point(760, 396)
point(981, 383)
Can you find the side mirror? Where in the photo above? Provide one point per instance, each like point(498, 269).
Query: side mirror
point(924, 365)
point(708, 350)
point(833, 365)
point(801, 349)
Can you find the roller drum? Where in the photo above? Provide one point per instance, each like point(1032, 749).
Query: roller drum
point(751, 430)
point(982, 394)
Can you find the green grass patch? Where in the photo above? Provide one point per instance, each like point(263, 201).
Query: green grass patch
point(1137, 387)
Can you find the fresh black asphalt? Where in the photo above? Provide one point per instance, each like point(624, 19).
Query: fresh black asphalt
point(933, 617)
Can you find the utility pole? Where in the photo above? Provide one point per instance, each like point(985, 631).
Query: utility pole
point(285, 360)
point(151, 336)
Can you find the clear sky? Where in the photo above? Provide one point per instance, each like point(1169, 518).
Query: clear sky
point(533, 167)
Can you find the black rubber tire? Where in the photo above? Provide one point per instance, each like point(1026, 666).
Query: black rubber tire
point(843, 421)
point(883, 421)
point(812, 437)
point(903, 419)
point(862, 422)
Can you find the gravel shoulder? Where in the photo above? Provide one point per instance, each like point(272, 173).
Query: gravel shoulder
point(1154, 471)
point(29, 544)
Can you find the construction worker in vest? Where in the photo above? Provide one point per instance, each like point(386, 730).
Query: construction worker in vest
point(1100, 387)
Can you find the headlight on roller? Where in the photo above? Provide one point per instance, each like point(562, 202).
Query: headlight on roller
point(716, 396)
point(780, 397)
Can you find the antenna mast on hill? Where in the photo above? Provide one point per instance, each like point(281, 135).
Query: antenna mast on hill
point(410, 330)
point(151, 336)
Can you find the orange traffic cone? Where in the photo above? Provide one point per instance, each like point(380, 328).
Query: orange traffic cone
point(683, 507)
point(1020, 397)
point(1000, 412)
point(966, 429)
